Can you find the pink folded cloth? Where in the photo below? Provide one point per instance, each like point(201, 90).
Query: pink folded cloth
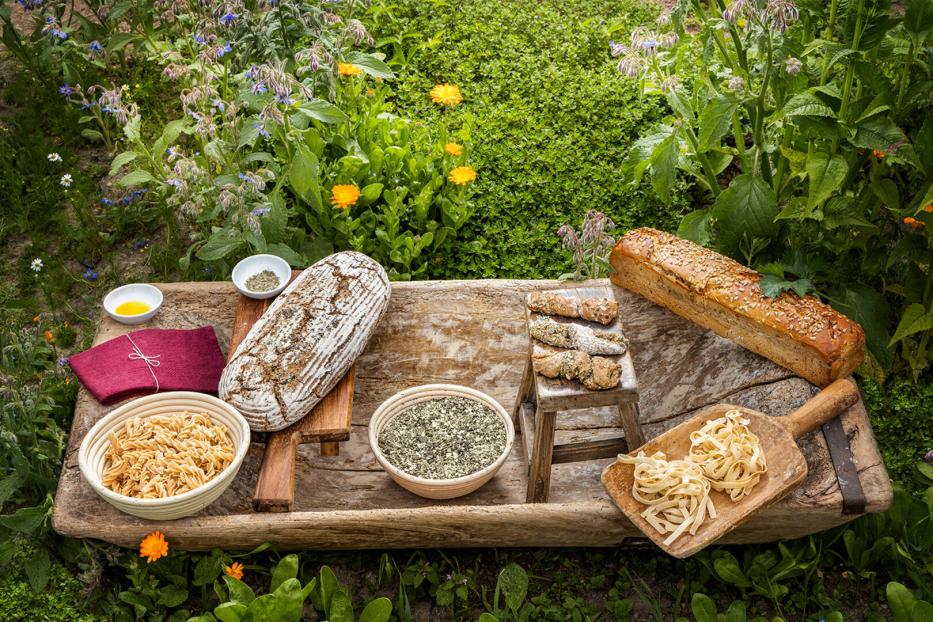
point(149, 361)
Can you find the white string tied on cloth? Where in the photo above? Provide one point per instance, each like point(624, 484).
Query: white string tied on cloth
point(150, 361)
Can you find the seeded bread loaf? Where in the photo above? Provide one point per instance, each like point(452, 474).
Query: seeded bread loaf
point(306, 341)
point(800, 333)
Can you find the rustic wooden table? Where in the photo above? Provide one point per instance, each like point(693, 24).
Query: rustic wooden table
point(473, 333)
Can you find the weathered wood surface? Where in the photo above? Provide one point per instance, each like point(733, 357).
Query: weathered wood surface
point(473, 333)
point(787, 467)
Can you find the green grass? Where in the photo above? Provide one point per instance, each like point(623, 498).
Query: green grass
point(552, 120)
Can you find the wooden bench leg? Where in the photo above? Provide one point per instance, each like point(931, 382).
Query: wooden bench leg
point(330, 448)
point(539, 472)
point(523, 392)
point(628, 413)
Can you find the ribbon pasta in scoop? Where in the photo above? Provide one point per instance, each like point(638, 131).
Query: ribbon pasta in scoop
point(724, 455)
point(675, 491)
point(729, 454)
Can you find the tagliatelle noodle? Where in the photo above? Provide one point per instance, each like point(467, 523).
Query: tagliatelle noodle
point(675, 491)
point(729, 454)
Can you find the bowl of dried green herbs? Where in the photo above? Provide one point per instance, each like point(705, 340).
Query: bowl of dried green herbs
point(441, 441)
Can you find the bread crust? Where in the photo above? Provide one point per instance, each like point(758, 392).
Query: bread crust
point(800, 333)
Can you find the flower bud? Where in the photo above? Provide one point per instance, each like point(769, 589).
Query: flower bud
point(793, 66)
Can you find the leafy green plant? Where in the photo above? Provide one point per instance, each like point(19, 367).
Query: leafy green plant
point(508, 600)
point(591, 247)
point(805, 139)
point(905, 607)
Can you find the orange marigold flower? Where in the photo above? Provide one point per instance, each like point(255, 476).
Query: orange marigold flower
point(462, 175)
point(36, 319)
point(343, 196)
point(446, 94)
point(49, 336)
point(234, 570)
point(913, 222)
point(348, 69)
point(928, 208)
point(370, 92)
point(453, 149)
point(153, 547)
point(878, 153)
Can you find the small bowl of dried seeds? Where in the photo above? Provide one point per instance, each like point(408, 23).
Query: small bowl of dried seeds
point(441, 441)
point(261, 276)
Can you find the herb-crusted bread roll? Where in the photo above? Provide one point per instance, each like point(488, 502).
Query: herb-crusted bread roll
point(800, 333)
point(306, 341)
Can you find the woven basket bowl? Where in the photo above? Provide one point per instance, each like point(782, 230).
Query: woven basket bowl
point(437, 488)
point(91, 453)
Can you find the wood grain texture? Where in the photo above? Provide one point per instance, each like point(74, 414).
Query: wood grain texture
point(787, 467)
point(306, 341)
point(473, 333)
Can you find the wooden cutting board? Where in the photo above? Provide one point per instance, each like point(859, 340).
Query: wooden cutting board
point(327, 423)
point(787, 467)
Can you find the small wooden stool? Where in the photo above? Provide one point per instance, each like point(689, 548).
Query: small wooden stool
point(535, 411)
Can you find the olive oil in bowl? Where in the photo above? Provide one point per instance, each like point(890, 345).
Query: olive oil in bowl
point(132, 307)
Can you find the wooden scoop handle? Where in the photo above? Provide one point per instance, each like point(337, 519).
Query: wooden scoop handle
point(275, 488)
point(828, 403)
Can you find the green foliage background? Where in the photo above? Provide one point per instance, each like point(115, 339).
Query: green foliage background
point(552, 119)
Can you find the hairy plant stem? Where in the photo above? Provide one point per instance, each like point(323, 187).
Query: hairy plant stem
point(762, 155)
point(902, 80)
point(850, 70)
point(717, 36)
point(831, 29)
point(708, 171)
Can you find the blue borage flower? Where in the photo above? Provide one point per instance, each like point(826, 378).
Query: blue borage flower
point(94, 50)
point(29, 5)
point(63, 360)
point(259, 87)
point(219, 104)
point(228, 18)
point(261, 211)
point(66, 90)
point(262, 130)
point(199, 39)
point(90, 275)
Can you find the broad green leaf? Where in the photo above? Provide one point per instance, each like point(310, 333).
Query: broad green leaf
point(735, 612)
point(231, 611)
point(323, 111)
point(743, 211)
point(922, 611)
point(287, 568)
point(918, 18)
point(25, 520)
point(870, 309)
point(639, 155)
point(92, 134)
point(681, 105)
point(772, 286)
point(172, 595)
point(513, 585)
point(136, 178)
point(826, 175)
point(290, 601)
point(328, 587)
point(239, 591)
point(8, 486)
point(715, 120)
point(218, 247)
point(266, 607)
point(371, 64)
point(886, 191)
point(806, 104)
point(728, 570)
point(798, 209)
point(37, 569)
point(371, 193)
point(915, 319)
point(900, 601)
point(878, 133)
point(286, 252)
point(341, 609)
point(695, 227)
point(379, 610)
point(171, 132)
point(663, 164)
point(303, 176)
point(274, 221)
point(704, 609)
point(122, 160)
point(131, 129)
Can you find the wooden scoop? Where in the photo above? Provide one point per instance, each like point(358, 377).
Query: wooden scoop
point(787, 467)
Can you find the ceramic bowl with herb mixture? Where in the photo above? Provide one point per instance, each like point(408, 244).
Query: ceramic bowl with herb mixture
point(441, 441)
point(261, 276)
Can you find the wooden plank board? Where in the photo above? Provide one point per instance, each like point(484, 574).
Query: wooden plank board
point(473, 333)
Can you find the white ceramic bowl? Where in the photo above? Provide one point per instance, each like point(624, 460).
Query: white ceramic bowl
point(91, 453)
point(138, 292)
point(437, 488)
point(255, 264)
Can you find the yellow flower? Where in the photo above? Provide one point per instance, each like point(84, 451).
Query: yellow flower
point(462, 175)
point(453, 149)
point(348, 69)
point(153, 547)
point(344, 196)
point(446, 94)
point(234, 570)
point(913, 222)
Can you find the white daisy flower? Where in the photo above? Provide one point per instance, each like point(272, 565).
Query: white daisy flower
point(54, 157)
point(66, 180)
point(36, 265)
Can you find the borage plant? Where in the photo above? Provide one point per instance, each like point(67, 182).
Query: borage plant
point(809, 128)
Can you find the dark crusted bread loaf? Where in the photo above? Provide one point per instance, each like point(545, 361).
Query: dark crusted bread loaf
point(799, 333)
point(306, 341)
